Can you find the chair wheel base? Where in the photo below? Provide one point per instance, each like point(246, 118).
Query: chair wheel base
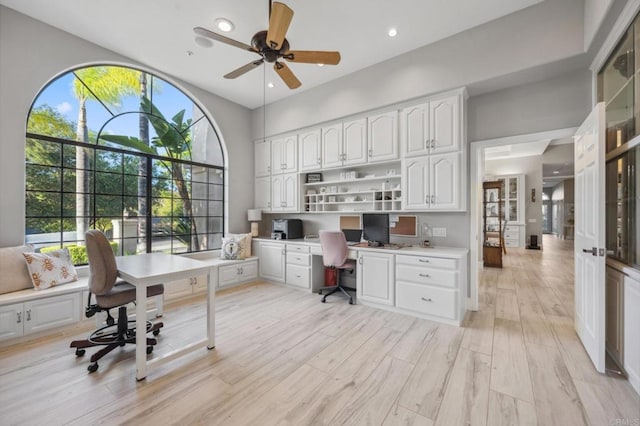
point(93, 367)
point(156, 332)
point(149, 349)
point(80, 352)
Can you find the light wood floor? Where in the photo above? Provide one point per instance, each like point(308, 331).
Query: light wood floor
point(284, 358)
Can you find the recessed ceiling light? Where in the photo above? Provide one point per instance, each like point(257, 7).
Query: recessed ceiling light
point(204, 42)
point(224, 24)
point(392, 32)
point(270, 85)
point(555, 172)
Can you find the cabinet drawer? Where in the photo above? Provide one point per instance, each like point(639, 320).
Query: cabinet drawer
point(512, 243)
point(430, 276)
point(298, 275)
point(249, 271)
point(296, 248)
point(512, 228)
point(511, 235)
point(427, 300)
point(434, 262)
point(298, 259)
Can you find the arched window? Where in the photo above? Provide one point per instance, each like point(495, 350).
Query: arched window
point(123, 151)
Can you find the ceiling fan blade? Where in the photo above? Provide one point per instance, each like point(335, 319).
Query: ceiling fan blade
point(210, 34)
point(244, 69)
point(278, 24)
point(286, 75)
point(313, 57)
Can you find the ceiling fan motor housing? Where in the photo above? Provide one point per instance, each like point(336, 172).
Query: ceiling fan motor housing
point(259, 42)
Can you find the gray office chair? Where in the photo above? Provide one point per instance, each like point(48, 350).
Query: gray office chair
point(110, 293)
point(334, 256)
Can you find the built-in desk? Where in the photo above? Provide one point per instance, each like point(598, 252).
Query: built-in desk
point(425, 282)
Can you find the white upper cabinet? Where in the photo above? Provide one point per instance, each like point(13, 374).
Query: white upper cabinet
point(444, 125)
point(444, 181)
point(431, 128)
point(415, 181)
point(284, 155)
point(414, 130)
point(383, 137)
point(354, 142)
point(262, 157)
point(310, 150)
point(284, 192)
point(332, 146)
point(262, 193)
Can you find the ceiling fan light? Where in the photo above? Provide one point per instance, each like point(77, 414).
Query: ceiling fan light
point(392, 32)
point(224, 25)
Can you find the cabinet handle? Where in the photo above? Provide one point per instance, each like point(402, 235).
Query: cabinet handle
point(241, 270)
point(433, 199)
point(424, 299)
point(284, 252)
point(19, 317)
point(370, 153)
point(269, 169)
point(360, 261)
point(319, 160)
point(298, 276)
point(433, 144)
point(28, 314)
point(423, 260)
point(424, 275)
point(426, 144)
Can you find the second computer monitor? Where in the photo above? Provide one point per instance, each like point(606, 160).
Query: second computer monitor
point(375, 227)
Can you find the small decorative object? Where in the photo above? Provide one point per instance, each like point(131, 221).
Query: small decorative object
point(254, 216)
point(230, 248)
point(332, 198)
point(426, 235)
point(332, 189)
point(311, 192)
point(323, 189)
point(314, 177)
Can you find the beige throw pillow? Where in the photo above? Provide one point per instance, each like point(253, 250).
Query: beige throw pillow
point(51, 269)
point(245, 244)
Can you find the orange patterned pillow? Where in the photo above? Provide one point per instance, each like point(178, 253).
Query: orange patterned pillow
point(51, 269)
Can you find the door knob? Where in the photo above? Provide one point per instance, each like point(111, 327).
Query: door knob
point(593, 251)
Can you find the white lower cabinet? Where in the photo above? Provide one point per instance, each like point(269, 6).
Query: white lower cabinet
point(25, 318)
point(237, 273)
point(375, 278)
point(632, 331)
point(272, 261)
point(299, 276)
point(186, 287)
point(426, 299)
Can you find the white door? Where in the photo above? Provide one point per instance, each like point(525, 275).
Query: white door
point(277, 156)
point(414, 136)
point(262, 194)
point(290, 154)
point(589, 245)
point(262, 156)
point(11, 321)
point(354, 142)
point(444, 181)
point(383, 137)
point(415, 178)
point(444, 122)
point(310, 153)
point(332, 146)
point(375, 278)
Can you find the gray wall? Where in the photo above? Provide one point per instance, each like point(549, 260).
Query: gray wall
point(31, 54)
point(531, 167)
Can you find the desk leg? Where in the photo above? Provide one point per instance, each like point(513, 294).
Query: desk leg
point(211, 311)
point(141, 332)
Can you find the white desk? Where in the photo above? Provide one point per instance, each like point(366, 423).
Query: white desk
point(148, 269)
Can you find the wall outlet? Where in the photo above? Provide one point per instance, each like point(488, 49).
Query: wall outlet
point(439, 232)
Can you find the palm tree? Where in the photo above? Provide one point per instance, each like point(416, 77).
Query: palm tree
point(108, 85)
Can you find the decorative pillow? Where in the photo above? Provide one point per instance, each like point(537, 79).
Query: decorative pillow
point(230, 248)
point(51, 269)
point(245, 244)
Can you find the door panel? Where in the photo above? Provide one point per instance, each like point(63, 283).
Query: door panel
point(310, 153)
point(383, 137)
point(355, 142)
point(414, 130)
point(444, 172)
point(415, 180)
point(444, 124)
point(332, 146)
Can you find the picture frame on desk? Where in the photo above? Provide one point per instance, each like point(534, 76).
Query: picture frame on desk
point(314, 177)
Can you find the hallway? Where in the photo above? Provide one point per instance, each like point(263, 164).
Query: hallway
point(526, 310)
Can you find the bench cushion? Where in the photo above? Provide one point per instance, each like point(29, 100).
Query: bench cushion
point(14, 275)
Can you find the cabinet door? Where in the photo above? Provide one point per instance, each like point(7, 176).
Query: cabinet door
point(444, 181)
point(272, 261)
point(355, 142)
point(178, 289)
point(414, 130)
point(290, 192)
point(277, 156)
point(249, 271)
point(11, 320)
point(375, 278)
point(290, 154)
point(383, 137)
point(51, 312)
point(262, 194)
point(228, 275)
point(277, 194)
point(415, 178)
point(310, 151)
point(262, 158)
point(444, 125)
point(332, 146)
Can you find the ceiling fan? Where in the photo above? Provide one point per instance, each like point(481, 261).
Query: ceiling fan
point(272, 45)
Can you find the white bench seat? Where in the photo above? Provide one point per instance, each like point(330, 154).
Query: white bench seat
point(30, 294)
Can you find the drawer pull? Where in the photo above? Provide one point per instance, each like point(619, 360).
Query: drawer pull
point(424, 260)
point(424, 275)
point(426, 299)
point(298, 276)
point(28, 314)
point(19, 317)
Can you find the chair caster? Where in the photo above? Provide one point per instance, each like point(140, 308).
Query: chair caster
point(149, 349)
point(93, 367)
point(80, 352)
point(350, 301)
point(324, 300)
point(156, 332)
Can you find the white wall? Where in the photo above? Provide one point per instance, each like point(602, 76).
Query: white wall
point(531, 167)
point(594, 13)
point(31, 54)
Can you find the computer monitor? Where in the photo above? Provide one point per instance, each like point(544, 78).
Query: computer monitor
point(375, 227)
